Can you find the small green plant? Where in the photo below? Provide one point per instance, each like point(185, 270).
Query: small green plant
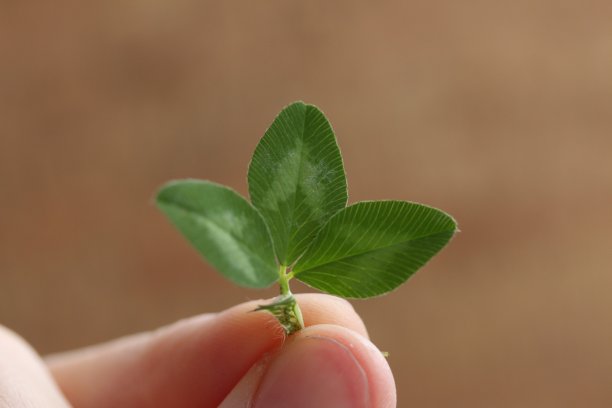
point(298, 225)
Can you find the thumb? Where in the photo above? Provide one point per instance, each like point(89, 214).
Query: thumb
point(321, 366)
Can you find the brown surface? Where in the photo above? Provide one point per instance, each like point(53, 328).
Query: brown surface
point(499, 112)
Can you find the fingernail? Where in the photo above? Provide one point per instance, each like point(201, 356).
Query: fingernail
point(314, 372)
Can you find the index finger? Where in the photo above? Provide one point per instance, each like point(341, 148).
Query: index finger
point(193, 363)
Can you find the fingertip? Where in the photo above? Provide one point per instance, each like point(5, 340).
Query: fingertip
point(319, 308)
point(381, 383)
point(320, 366)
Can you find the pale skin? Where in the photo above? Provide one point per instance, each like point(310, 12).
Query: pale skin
point(235, 358)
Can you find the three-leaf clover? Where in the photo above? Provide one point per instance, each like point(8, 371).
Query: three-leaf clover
point(298, 224)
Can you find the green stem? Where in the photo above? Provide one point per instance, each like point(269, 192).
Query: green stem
point(283, 280)
point(285, 307)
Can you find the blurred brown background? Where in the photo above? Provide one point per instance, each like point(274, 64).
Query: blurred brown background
point(498, 112)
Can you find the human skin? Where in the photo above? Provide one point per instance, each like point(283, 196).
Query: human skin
point(235, 358)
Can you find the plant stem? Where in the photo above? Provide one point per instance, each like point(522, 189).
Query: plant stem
point(285, 307)
point(283, 280)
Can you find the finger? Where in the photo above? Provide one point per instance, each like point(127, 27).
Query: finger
point(325, 309)
point(193, 363)
point(321, 366)
point(24, 379)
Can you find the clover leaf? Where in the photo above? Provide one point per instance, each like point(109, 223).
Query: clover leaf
point(298, 225)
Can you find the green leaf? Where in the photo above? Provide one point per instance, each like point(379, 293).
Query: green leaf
point(371, 248)
point(224, 228)
point(296, 178)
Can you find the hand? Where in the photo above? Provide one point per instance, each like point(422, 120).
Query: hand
point(231, 359)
